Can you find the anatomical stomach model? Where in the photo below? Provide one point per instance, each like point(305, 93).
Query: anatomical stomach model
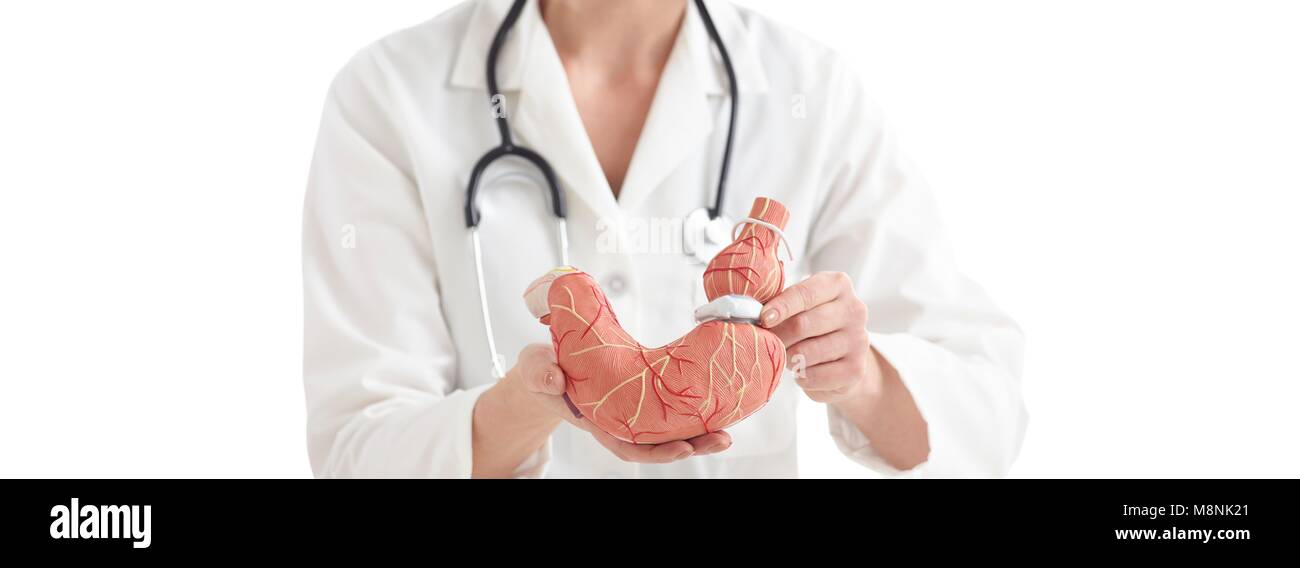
point(713, 377)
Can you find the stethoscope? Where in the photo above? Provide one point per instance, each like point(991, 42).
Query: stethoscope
point(706, 230)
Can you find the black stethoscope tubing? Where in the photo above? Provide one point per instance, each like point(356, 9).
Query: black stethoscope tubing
point(507, 147)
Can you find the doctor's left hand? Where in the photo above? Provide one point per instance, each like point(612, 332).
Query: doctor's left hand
point(822, 321)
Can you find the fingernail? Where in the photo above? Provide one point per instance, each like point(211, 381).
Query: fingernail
point(684, 455)
point(769, 317)
point(549, 379)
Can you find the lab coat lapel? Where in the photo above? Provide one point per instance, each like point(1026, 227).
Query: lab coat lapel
point(547, 120)
point(691, 103)
point(676, 127)
point(543, 115)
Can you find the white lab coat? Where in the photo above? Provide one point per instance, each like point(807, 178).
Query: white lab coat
point(395, 355)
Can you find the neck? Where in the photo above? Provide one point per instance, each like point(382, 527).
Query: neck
point(628, 35)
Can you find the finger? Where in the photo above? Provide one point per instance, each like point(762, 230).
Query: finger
point(710, 443)
point(835, 376)
point(546, 378)
point(826, 348)
point(557, 407)
point(816, 290)
point(541, 374)
point(824, 397)
point(643, 453)
point(820, 320)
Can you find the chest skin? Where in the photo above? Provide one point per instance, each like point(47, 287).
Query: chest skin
point(613, 113)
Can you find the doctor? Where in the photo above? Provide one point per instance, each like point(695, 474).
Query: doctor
point(917, 370)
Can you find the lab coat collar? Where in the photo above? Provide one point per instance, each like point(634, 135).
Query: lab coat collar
point(547, 118)
point(470, 70)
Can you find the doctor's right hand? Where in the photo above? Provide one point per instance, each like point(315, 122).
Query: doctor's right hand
point(542, 385)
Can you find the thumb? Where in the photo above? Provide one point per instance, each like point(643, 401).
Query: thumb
point(542, 375)
point(552, 380)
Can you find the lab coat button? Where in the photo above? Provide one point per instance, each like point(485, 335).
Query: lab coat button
point(615, 285)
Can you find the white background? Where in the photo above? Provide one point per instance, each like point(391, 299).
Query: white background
point(1123, 176)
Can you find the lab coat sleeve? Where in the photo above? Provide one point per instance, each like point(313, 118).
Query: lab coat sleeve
point(956, 353)
point(379, 364)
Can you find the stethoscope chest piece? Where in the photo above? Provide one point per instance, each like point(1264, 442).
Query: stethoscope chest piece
point(704, 237)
